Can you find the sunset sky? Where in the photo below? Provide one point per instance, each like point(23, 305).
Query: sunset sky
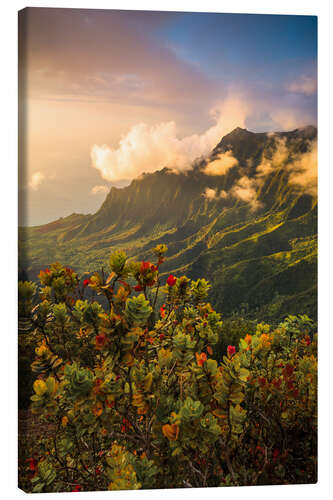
point(109, 95)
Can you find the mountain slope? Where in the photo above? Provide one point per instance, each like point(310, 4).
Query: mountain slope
point(259, 252)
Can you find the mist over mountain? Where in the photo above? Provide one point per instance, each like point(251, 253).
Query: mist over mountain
point(245, 217)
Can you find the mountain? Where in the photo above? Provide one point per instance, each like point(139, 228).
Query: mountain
point(252, 230)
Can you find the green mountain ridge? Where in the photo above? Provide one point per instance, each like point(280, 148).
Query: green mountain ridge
point(263, 261)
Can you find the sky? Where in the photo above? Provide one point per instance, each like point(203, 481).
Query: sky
point(106, 95)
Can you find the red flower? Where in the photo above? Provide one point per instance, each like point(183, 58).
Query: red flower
point(162, 311)
point(32, 464)
point(231, 350)
point(138, 288)
point(162, 336)
point(98, 471)
point(86, 282)
point(171, 281)
point(77, 487)
point(150, 340)
point(100, 341)
point(145, 266)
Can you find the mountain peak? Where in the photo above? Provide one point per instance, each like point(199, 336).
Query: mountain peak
point(239, 131)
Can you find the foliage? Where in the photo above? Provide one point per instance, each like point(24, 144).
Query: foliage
point(139, 399)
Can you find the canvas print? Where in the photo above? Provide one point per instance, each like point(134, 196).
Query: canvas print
point(167, 282)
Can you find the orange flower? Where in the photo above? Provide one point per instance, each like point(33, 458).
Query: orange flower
point(209, 350)
point(201, 358)
point(170, 431)
point(64, 421)
point(98, 409)
point(248, 339)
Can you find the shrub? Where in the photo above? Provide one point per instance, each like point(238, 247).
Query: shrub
point(137, 400)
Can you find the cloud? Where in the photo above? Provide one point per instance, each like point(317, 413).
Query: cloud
point(36, 180)
point(305, 85)
point(302, 166)
point(304, 171)
point(289, 118)
point(279, 157)
point(245, 190)
point(221, 165)
point(149, 148)
point(210, 193)
point(99, 189)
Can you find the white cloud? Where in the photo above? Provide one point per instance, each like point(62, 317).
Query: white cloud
point(304, 172)
point(210, 193)
point(99, 189)
point(245, 189)
point(146, 149)
point(36, 180)
point(278, 159)
point(221, 165)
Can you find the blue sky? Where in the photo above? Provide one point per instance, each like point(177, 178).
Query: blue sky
point(262, 52)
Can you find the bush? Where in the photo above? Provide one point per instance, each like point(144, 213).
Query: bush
point(137, 400)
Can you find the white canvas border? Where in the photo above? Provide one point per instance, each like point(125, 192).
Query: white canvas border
point(9, 239)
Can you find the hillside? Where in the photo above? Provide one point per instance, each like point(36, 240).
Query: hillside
point(251, 230)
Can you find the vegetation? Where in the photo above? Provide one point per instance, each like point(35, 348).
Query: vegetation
point(151, 394)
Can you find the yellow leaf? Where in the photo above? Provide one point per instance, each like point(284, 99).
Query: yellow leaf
point(40, 387)
point(128, 359)
point(148, 381)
